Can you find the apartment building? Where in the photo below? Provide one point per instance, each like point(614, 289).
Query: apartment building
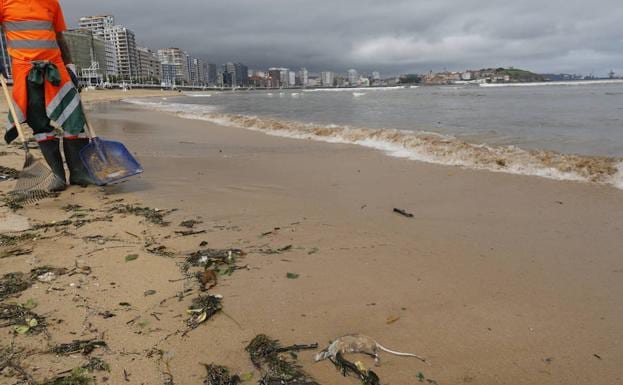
point(149, 68)
point(101, 26)
point(175, 68)
point(88, 53)
point(124, 41)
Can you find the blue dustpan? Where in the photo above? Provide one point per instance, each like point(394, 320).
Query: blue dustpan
point(108, 161)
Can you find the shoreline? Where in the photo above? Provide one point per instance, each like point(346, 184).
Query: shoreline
point(497, 279)
point(428, 147)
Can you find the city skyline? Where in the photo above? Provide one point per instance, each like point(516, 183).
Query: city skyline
point(393, 37)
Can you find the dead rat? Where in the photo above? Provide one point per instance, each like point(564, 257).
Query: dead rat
point(358, 343)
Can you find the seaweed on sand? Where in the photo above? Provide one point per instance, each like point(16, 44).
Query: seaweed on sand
point(278, 369)
point(202, 309)
point(13, 202)
point(12, 240)
point(10, 365)
point(85, 347)
point(154, 216)
point(220, 375)
point(21, 318)
point(77, 376)
point(367, 377)
point(96, 365)
point(191, 223)
point(8, 172)
point(52, 225)
point(13, 283)
point(17, 201)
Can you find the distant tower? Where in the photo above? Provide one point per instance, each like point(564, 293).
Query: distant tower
point(611, 74)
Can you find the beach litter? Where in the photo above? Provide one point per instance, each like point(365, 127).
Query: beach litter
point(404, 213)
point(277, 367)
point(209, 258)
point(202, 309)
point(47, 274)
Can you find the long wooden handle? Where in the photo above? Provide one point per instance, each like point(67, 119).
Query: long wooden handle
point(90, 129)
point(9, 101)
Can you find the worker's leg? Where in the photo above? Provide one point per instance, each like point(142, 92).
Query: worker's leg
point(78, 174)
point(38, 120)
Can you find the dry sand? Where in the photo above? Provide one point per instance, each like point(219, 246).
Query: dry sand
point(498, 279)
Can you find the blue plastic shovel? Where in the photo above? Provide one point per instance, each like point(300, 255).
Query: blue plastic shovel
point(107, 161)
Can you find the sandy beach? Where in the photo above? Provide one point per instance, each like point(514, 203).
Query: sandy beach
point(497, 278)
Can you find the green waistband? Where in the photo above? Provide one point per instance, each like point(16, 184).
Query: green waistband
point(42, 70)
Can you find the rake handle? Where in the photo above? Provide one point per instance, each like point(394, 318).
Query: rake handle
point(9, 101)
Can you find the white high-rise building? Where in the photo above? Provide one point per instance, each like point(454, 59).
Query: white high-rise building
point(174, 66)
point(304, 77)
point(101, 26)
point(353, 77)
point(376, 75)
point(327, 78)
point(124, 41)
point(121, 54)
point(292, 80)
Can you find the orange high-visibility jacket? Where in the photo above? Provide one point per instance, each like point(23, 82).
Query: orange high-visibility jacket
point(31, 27)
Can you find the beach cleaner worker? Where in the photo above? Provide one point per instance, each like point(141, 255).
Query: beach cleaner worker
point(45, 84)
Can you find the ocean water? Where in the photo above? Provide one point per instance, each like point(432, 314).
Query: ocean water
point(564, 131)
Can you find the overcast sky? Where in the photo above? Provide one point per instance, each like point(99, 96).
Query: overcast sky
point(391, 36)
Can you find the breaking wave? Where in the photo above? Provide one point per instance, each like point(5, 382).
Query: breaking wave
point(351, 89)
point(421, 146)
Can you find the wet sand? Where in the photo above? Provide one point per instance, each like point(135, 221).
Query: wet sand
point(498, 279)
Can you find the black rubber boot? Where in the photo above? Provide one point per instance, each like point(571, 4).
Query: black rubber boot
point(78, 174)
point(52, 154)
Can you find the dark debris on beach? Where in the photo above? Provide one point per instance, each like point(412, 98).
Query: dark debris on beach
point(8, 173)
point(22, 318)
point(278, 368)
point(85, 347)
point(220, 375)
point(202, 309)
point(13, 283)
point(154, 216)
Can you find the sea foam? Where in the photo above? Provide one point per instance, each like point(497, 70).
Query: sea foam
point(561, 83)
point(421, 146)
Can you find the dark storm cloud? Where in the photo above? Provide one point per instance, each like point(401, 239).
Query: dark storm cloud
point(391, 36)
